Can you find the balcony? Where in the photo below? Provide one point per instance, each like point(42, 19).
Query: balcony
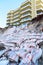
point(16, 23)
point(8, 20)
point(39, 6)
point(10, 16)
point(40, 9)
point(29, 14)
point(28, 5)
point(39, 12)
point(16, 16)
point(28, 19)
point(16, 13)
point(10, 13)
point(39, 1)
point(16, 19)
point(26, 2)
point(25, 11)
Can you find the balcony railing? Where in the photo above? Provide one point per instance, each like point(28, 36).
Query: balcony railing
point(29, 14)
point(16, 13)
point(39, 4)
point(26, 2)
point(26, 6)
point(39, 9)
point(25, 20)
point(25, 11)
point(9, 16)
point(16, 16)
point(16, 19)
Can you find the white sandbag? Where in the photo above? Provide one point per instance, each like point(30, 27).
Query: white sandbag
point(4, 62)
point(37, 55)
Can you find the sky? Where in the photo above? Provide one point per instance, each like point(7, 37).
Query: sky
point(5, 7)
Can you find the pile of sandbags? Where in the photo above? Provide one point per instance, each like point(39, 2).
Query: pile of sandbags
point(25, 55)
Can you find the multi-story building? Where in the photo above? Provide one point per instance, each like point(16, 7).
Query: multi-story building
point(16, 17)
point(28, 10)
point(25, 12)
point(10, 17)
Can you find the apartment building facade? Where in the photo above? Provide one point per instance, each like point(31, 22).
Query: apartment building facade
point(39, 7)
point(10, 17)
point(27, 11)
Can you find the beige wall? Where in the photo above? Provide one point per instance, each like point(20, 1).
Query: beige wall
point(33, 5)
